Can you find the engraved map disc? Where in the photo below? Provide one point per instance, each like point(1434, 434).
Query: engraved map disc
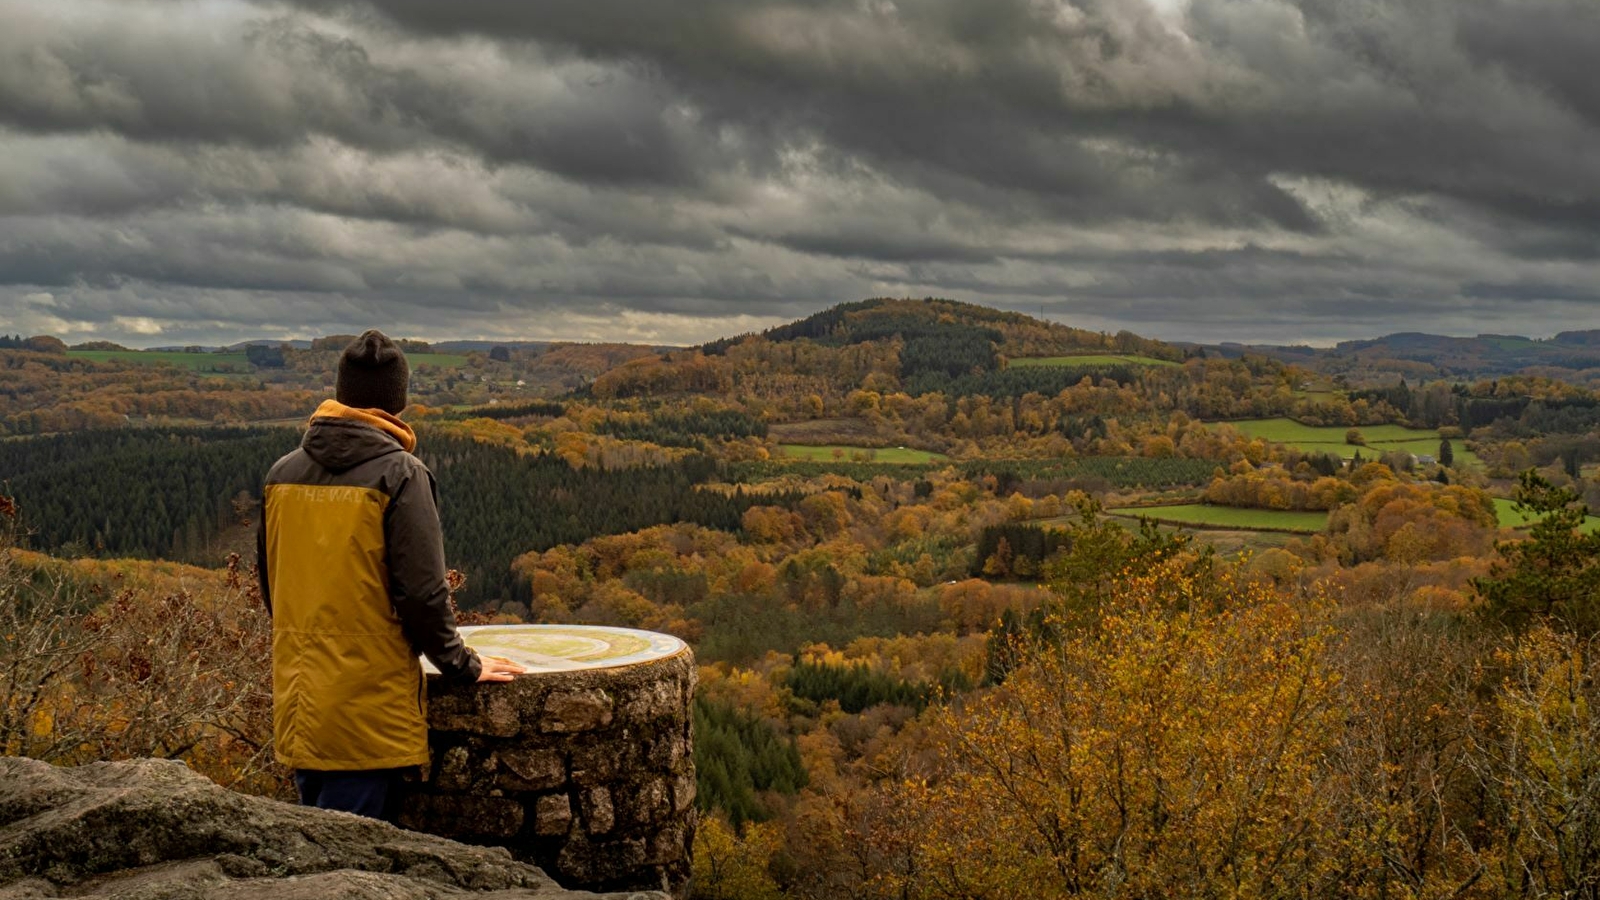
point(564, 648)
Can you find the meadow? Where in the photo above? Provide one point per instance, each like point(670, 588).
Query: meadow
point(1380, 439)
point(436, 360)
point(199, 362)
point(1200, 515)
point(844, 452)
point(1090, 360)
point(1509, 518)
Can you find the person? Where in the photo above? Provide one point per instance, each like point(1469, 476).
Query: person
point(351, 564)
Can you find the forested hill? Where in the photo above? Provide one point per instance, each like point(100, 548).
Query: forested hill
point(884, 345)
point(933, 320)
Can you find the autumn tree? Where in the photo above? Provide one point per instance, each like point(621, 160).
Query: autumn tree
point(731, 863)
point(1537, 757)
point(1176, 747)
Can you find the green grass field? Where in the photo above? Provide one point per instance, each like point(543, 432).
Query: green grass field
point(200, 362)
point(825, 453)
point(1090, 360)
point(437, 360)
point(1510, 518)
point(1229, 542)
point(1201, 515)
point(1330, 439)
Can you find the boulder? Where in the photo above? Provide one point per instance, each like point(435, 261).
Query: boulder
point(152, 829)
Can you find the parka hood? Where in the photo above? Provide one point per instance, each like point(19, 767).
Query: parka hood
point(343, 437)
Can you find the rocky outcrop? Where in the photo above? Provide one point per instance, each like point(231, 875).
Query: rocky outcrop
point(588, 774)
point(152, 829)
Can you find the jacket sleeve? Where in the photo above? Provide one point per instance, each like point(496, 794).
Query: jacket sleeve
point(414, 551)
point(261, 557)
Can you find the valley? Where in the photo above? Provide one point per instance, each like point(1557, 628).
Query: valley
point(893, 532)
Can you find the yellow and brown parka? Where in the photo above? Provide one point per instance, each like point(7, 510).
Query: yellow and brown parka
point(351, 560)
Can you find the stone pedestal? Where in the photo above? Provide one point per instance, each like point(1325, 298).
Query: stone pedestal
point(586, 773)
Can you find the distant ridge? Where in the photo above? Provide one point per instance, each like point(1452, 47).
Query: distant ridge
point(263, 342)
point(230, 348)
point(464, 346)
point(1482, 355)
point(471, 346)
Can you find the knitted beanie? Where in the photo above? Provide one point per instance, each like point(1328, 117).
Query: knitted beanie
point(373, 374)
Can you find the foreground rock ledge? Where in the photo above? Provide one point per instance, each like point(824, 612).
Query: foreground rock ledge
point(149, 829)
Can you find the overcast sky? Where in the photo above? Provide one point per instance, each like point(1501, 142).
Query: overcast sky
point(1274, 170)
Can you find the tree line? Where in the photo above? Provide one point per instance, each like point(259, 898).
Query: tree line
point(169, 493)
point(496, 503)
point(688, 429)
point(156, 493)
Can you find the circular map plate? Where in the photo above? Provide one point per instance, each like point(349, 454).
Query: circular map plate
point(565, 648)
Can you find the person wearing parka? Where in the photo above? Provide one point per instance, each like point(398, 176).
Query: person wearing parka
point(351, 563)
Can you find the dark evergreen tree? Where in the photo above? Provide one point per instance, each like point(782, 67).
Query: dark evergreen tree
point(738, 756)
point(1025, 542)
point(855, 688)
point(1554, 575)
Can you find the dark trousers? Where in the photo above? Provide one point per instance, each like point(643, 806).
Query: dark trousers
point(368, 792)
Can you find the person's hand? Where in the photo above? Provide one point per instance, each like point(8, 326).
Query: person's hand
point(498, 668)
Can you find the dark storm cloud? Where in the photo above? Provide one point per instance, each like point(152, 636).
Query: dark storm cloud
point(275, 81)
point(1489, 100)
point(1296, 168)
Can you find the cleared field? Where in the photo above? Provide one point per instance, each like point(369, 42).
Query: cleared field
point(1330, 439)
point(1288, 431)
point(845, 453)
point(1090, 360)
point(1231, 517)
point(437, 360)
point(1510, 518)
point(1232, 543)
point(1229, 542)
point(200, 362)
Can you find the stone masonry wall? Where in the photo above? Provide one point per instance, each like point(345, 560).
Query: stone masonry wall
point(586, 774)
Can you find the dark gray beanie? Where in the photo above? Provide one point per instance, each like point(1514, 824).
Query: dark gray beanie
point(373, 374)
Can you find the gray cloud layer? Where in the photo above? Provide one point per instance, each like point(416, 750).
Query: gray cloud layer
point(1213, 169)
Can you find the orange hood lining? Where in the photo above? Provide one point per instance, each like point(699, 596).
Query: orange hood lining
point(385, 422)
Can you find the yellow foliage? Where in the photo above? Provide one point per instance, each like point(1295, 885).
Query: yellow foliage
point(1172, 749)
point(1541, 764)
point(729, 865)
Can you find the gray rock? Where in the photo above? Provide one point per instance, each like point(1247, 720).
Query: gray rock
point(568, 711)
point(153, 830)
